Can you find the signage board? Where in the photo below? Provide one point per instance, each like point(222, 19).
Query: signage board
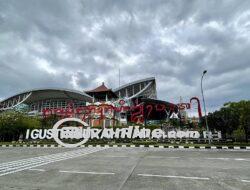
point(83, 133)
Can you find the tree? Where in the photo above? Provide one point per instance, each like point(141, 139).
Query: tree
point(13, 125)
point(231, 118)
point(49, 121)
point(245, 117)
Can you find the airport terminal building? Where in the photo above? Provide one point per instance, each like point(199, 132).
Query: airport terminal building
point(37, 101)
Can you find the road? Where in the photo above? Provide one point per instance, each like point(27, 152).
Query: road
point(123, 169)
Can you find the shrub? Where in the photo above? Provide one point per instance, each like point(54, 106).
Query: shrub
point(13, 125)
point(239, 134)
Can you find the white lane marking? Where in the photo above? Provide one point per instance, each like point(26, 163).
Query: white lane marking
point(24, 164)
point(56, 158)
point(46, 157)
point(217, 158)
point(240, 159)
point(93, 173)
point(247, 181)
point(30, 161)
point(42, 160)
point(23, 161)
point(172, 176)
point(32, 165)
point(34, 169)
point(170, 157)
point(114, 156)
point(236, 159)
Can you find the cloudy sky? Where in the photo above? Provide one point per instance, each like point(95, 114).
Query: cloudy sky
point(78, 44)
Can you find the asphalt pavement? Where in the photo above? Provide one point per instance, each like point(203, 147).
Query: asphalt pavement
point(102, 168)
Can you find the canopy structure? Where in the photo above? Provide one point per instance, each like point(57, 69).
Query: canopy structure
point(145, 88)
point(37, 99)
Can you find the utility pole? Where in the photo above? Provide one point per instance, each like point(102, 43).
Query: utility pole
point(119, 77)
point(204, 106)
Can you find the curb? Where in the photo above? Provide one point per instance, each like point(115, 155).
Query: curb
point(132, 146)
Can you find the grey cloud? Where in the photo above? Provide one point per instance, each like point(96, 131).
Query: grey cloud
point(79, 44)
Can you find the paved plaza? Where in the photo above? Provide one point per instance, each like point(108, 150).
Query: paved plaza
point(123, 168)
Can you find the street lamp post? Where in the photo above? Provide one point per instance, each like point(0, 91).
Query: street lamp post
point(204, 106)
